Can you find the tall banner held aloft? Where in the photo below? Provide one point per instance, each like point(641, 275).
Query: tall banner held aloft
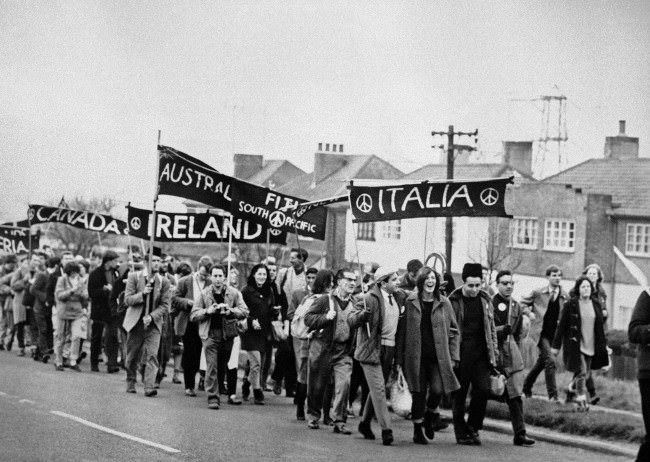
point(17, 240)
point(82, 219)
point(447, 198)
point(198, 227)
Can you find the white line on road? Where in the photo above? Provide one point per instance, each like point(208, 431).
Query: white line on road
point(29, 401)
point(116, 433)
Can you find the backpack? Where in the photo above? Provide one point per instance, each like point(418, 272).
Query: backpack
point(298, 327)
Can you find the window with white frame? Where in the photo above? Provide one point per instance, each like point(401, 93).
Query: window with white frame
point(637, 239)
point(366, 231)
point(392, 229)
point(523, 233)
point(560, 235)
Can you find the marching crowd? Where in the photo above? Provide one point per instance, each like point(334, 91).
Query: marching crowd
point(328, 333)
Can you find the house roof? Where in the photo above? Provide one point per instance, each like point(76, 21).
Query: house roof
point(336, 183)
point(626, 180)
point(268, 170)
point(466, 172)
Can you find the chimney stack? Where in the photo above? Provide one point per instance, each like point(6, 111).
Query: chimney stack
point(247, 165)
point(335, 147)
point(519, 155)
point(621, 146)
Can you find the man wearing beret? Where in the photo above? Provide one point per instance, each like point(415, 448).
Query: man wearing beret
point(478, 353)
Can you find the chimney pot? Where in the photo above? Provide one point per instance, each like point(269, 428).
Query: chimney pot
point(340, 148)
point(327, 147)
point(621, 127)
point(333, 148)
point(320, 147)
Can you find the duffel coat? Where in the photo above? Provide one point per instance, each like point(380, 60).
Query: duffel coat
point(510, 360)
point(569, 334)
point(446, 339)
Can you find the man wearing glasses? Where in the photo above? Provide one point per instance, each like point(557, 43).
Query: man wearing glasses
point(332, 318)
point(478, 353)
point(510, 324)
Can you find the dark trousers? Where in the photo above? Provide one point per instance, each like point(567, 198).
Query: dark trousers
point(265, 364)
point(644, 388)
point(285, 365)
point(475, 372)
point(516, 408)
point(191, 354)
point(43, 319)
point(224, 349)
point(358, 379)
point(545, 362)
point(103, 333)
point(431, 380)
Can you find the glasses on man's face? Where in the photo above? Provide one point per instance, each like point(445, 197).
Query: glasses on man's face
point(473, 286)
point(507, 283)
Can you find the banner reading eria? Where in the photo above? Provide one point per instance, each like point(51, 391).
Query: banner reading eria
point(199, 227)
point(90, 221)
point(477, 198)
point(16, 240)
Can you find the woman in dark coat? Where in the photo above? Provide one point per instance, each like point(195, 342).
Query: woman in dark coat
point(258, 296)
point(427, 350)
point(580, 332)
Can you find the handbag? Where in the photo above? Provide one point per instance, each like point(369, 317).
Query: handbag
point(279, 334)
point(242, 326)
point(497, 384)
point(401, 398)
point(230, 329)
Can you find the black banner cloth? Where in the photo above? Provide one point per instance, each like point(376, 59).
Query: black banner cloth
point(181, 175)
point(272, 209)
point(199, 227)
point(17, 224)
point(307, 206)
point(16, 240)
point(452, 198)
point(90, 221)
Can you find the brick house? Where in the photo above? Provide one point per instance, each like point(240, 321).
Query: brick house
point(575, 217)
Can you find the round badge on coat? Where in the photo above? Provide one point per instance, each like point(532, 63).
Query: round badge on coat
point(502, 306)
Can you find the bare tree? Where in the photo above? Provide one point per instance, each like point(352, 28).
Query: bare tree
point(496, 245)
point(82, 241)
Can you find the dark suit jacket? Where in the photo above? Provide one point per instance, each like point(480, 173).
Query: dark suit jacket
point(99, 297)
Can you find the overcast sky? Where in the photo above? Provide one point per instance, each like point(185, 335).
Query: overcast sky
point(85, 86)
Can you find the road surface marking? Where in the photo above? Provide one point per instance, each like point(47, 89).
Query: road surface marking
point(115, 432)
point(29, 401)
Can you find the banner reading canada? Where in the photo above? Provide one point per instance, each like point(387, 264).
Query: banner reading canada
point(16, 240)
point(90, 221)
point(199, 227)
point(480, 198)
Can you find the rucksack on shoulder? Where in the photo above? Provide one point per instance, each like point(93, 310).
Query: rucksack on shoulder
point(298, 327)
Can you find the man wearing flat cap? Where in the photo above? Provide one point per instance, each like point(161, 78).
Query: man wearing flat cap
point(383, 304)
point(478, 353)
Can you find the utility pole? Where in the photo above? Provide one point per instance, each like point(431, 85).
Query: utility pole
point(449, 224)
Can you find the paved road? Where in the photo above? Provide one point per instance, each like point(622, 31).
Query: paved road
point(49, 415)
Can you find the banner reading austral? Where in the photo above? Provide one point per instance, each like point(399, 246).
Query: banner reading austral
point(274, 210)
point(78, 218)
point(199, 227)
point(183, 176)
point(475, 198)
point(16, 240)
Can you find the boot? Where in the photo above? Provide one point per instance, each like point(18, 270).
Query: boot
point(428, 424)
point(387, 437)
point(299, 400)
point(245, 389)
point(523, 440)
point(418, 433)
point(366, 430)
point(438, 422)
point(175, 378)
point(259, 396)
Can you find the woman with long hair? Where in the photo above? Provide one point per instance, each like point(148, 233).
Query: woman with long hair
point(580, 332)
point(427, 350)
point(258, 296)
point(595, 275)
